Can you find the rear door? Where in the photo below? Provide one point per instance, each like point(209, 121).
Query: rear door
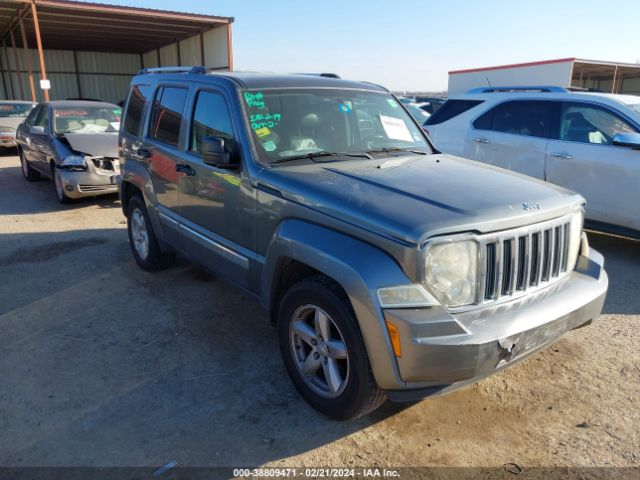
point(160, 151)
point(583, 159)
point(216, 204)
point(513, 135)
point(24, 133)
point(132, 123)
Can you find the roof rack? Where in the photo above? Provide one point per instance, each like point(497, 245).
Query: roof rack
point(194, 69)
point(545, 89)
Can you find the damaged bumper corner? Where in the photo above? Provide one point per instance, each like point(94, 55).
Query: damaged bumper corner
point(92, 181)
point(442, 352)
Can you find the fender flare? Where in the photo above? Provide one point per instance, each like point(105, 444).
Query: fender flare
point(359, 267)
point(137, 176)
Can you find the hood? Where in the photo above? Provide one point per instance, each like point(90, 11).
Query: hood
point(413, 198)
point(94, 144)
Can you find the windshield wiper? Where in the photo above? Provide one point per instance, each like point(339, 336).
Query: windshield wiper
point(323, 153)
point(396, 149)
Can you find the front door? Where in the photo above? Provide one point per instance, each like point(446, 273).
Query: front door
point(584, 159)
point(216, 204)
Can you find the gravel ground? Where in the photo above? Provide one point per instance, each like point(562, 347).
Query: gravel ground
point(102, 364)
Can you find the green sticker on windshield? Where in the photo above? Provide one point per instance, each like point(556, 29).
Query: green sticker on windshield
point(392, 102)
point(269, 146)
point(254, 99)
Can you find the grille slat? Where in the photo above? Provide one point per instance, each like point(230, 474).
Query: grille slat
point(515, 264)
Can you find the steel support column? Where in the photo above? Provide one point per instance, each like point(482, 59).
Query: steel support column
point(16, 61)
point(26, 59)
point(230, 47)
point(36, 24)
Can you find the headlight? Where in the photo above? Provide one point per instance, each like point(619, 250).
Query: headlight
point(74, 161)
point(575, 238)
point(451, 271)
point(7, 130)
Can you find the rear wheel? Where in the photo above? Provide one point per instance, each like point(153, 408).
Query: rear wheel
point(142, 238)
point(324, 352)
point(29, 174)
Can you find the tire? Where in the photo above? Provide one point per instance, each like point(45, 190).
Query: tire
point(57, 183)
point(29, 174)
point(142, 238)
point(339, 382)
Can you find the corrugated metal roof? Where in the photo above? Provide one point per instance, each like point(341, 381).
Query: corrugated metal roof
point(67, 25)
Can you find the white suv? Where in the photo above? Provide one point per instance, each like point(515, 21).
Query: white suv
point(585, 141)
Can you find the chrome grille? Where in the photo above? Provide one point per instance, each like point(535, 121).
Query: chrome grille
point(516, 262)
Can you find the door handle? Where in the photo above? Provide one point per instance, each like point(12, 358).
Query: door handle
point(186, 169)
point(561, 155)
point(482, 140)
point(143, 153)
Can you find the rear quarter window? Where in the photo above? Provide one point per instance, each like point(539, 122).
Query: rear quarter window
point(135, 109)
point(451, 109)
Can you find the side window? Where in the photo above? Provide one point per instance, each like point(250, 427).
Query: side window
point(43, 117)
point(530, 118)
point(450, 109)
point(31, 119)
point(210, 119)
point(166, 116)
point(135, 109)
point(584, 123)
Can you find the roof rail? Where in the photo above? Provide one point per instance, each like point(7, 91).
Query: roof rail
point(545, 89)
point(194, 69)
point(326, 75)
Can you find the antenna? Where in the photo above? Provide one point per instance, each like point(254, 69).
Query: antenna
point(487, 79)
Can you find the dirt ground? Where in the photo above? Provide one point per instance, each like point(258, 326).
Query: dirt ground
point(102, 364)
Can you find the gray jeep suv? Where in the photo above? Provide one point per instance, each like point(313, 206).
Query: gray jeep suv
point(389, 269)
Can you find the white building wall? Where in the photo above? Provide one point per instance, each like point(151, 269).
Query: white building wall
point(547, 74)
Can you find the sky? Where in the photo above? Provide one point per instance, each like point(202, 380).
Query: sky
point(413, 44)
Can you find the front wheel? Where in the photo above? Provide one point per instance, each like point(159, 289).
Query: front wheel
point(142, 238)
point(57, 181)
point(29, 174)
point(324, 352)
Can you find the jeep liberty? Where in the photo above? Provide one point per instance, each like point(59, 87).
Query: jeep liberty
point(389, 270)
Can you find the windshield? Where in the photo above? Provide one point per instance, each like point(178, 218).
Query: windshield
point(15, 109)
point(296, 122)
point(86, 119)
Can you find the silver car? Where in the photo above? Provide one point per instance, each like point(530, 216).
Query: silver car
point(12, 114)
point(75, 143)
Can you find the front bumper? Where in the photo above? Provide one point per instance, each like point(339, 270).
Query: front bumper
point(90, 182)
point(442, 352)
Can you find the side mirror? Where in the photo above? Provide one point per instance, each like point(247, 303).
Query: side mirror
point(214, 153)
point(630, 140)
point(37, 130)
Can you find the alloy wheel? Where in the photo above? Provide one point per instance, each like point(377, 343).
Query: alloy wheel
point(58, 183)
point(140, 234)
point(319, 351)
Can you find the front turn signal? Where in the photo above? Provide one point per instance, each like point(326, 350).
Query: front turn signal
point(394, 335)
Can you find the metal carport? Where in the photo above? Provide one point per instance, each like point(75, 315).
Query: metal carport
point(91, 50)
